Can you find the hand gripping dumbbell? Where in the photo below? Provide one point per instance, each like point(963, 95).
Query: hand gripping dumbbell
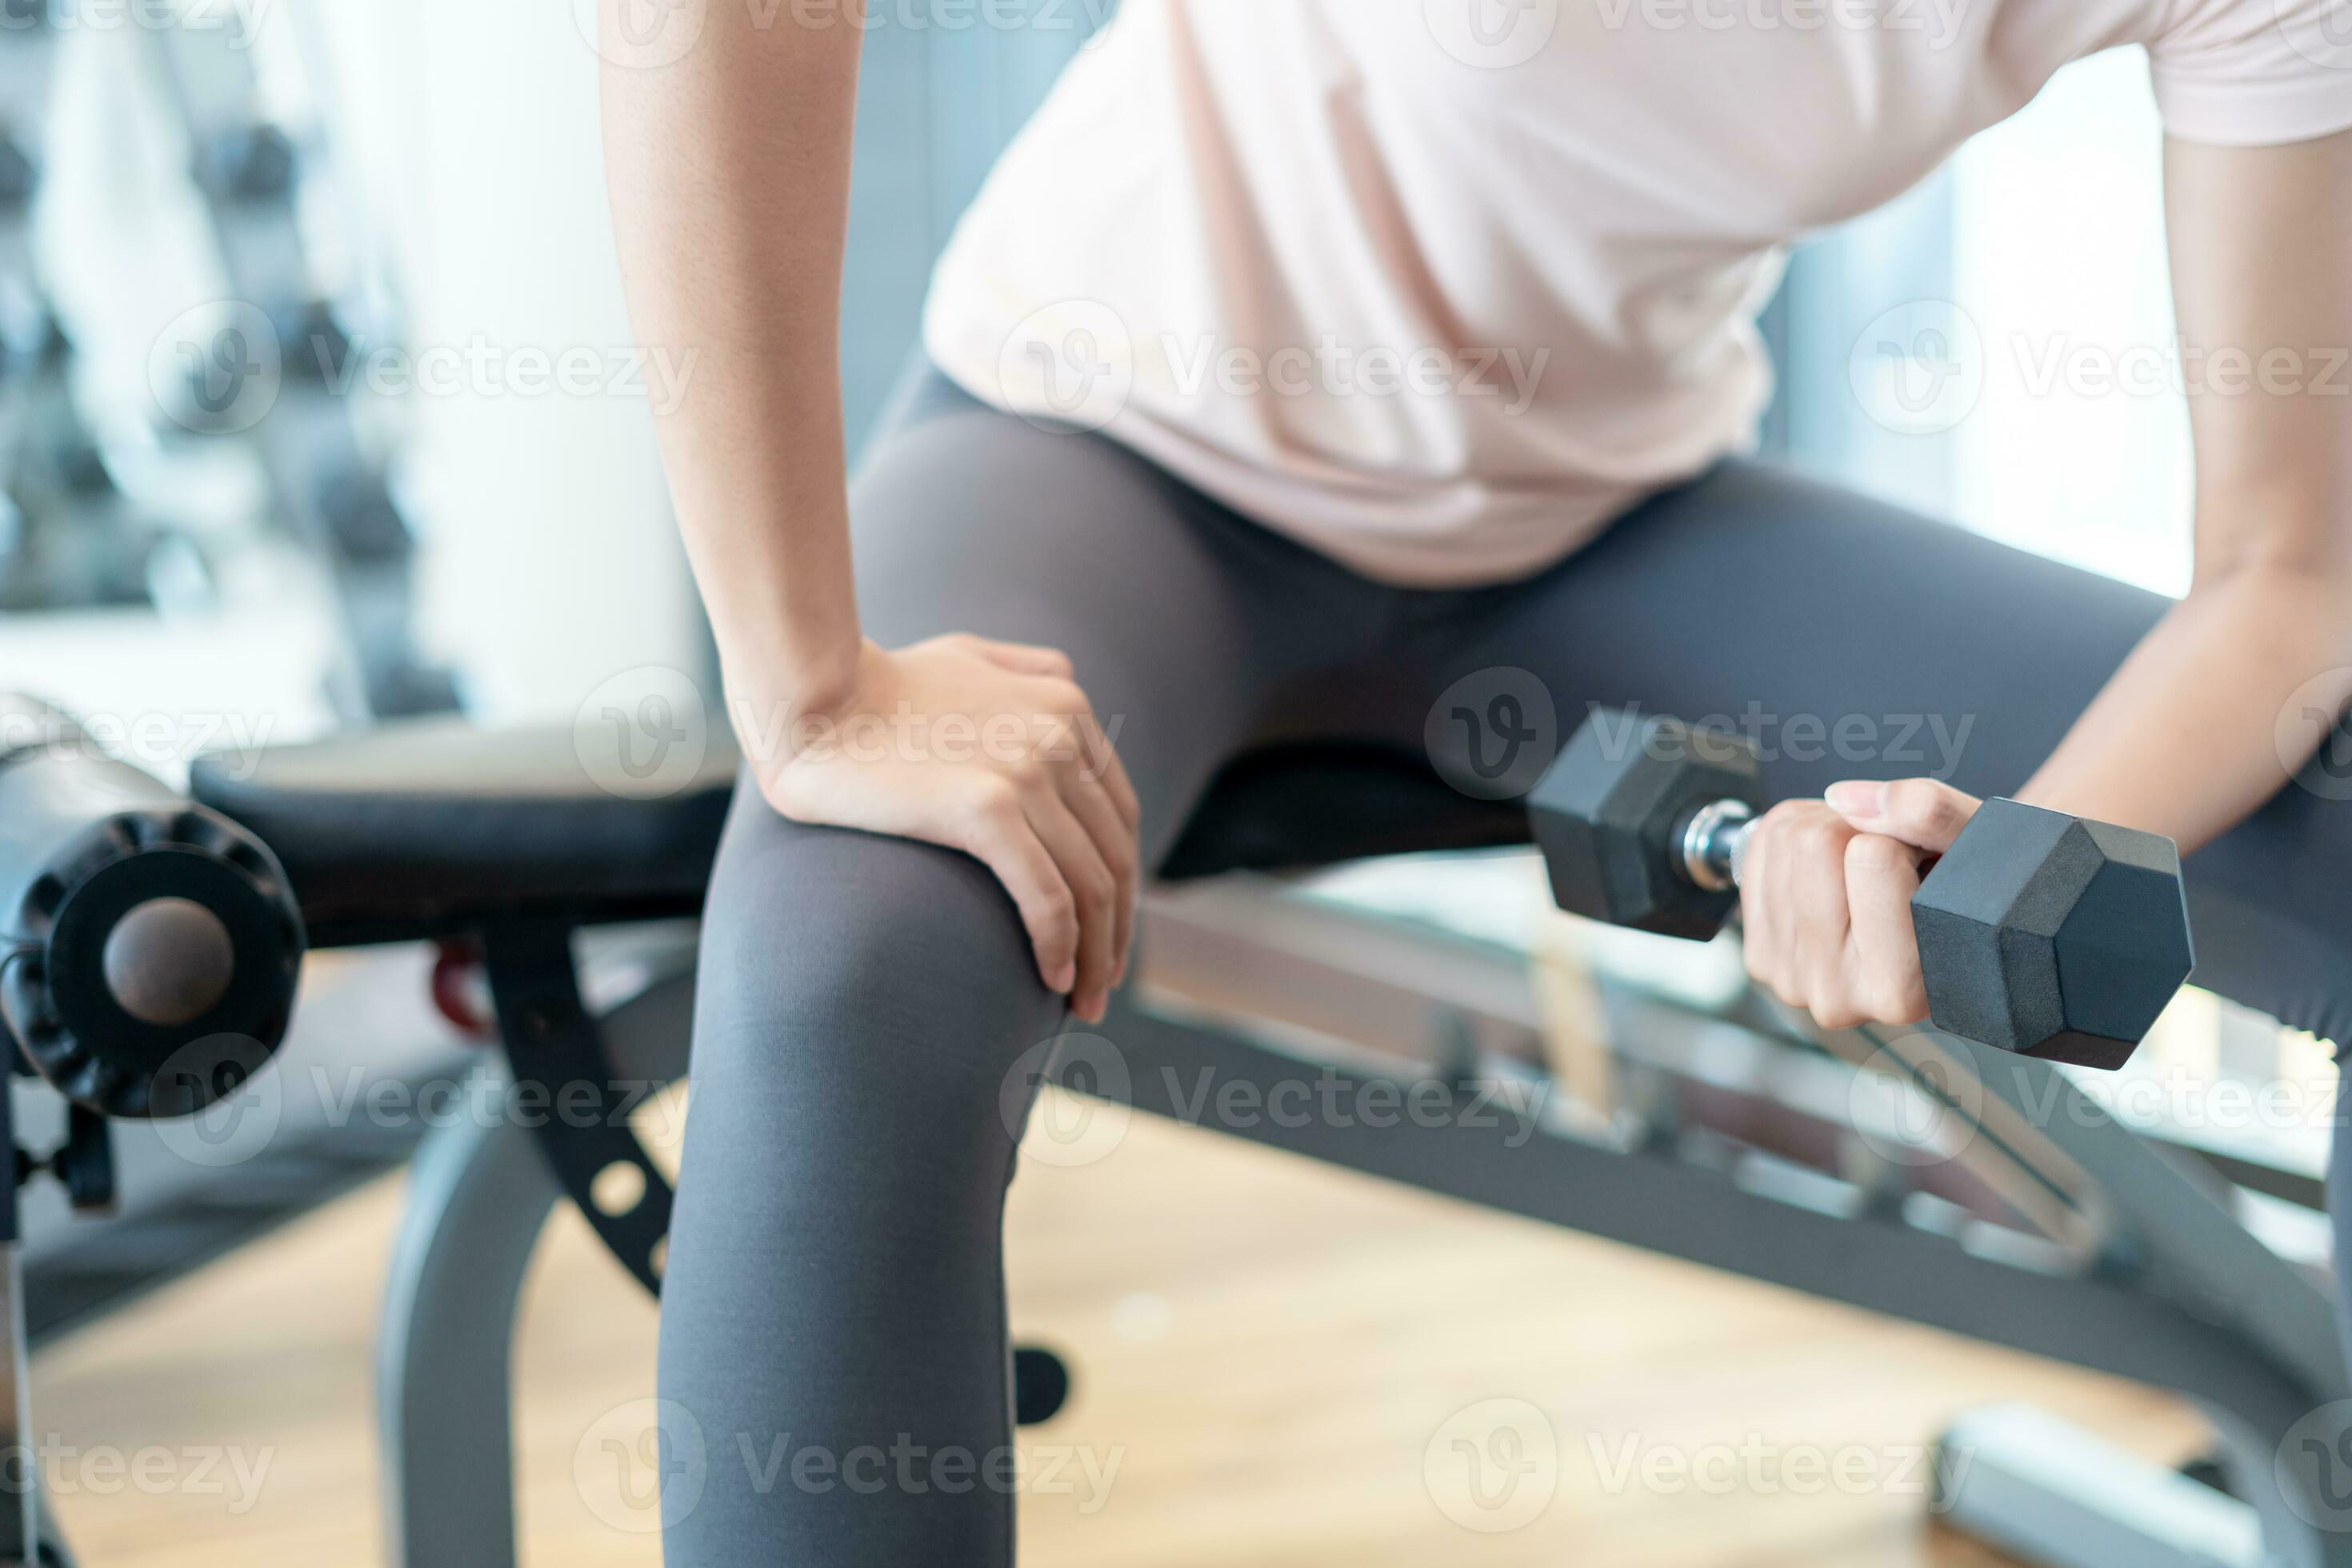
point(2040, 933)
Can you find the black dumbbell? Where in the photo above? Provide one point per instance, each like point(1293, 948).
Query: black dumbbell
point(2041, 933)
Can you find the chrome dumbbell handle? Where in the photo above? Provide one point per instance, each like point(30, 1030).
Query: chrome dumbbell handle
point(1713, 841)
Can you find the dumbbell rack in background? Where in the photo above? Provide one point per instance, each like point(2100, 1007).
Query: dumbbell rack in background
point(264, 374)
point(257, 176)
point(68, 534)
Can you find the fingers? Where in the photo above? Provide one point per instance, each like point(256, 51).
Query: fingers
point(1095, 888)
point(997, 833)
point(1114, 839)
point(1881, 875)
point(1826, 912)
point(1769, 902)
point(1818, 880)
point(1100, 760)
point(1926, 814)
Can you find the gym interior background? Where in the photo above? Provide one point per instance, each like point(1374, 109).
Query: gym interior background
point(1266, 1344)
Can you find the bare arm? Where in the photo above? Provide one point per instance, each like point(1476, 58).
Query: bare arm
point(2184, 738)
point(729, 175)
point(729, 171)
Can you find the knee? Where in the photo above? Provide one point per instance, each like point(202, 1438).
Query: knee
point(839, 967)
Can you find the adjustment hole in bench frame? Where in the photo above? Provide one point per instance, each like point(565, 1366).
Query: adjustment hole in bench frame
point(619, 1189)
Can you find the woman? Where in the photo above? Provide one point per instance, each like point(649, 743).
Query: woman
point(1291, 368)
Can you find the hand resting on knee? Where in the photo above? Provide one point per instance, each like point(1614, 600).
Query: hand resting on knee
point(987, 747)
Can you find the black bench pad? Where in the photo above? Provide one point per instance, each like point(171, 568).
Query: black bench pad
point(425, 827)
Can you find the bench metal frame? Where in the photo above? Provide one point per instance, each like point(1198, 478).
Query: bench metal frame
point(2148, 1274)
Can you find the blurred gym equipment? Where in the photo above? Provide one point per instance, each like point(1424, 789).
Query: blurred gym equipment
point(270, 369)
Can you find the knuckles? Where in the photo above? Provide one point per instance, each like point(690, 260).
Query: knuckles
point(1921, 804)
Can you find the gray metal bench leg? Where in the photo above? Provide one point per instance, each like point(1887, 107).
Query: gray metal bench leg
point(2058, 1497)
point(479, 1196)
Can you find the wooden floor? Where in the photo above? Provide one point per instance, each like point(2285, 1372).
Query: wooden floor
point(1278, 1357)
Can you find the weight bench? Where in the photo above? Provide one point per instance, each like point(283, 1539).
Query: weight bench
point(2084, 1242)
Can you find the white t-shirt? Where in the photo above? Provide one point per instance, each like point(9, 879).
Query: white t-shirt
point(1440, 287)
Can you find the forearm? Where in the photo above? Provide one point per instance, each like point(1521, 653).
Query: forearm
point(728, 173)
point(2184, 738)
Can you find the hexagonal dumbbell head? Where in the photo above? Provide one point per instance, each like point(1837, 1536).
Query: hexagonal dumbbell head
point(1610, 811)
point(2050, 936)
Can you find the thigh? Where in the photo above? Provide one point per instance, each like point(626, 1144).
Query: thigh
point(1849, 639)
point(1189, 625)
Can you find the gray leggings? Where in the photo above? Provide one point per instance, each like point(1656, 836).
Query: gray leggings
point(835, 1280)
